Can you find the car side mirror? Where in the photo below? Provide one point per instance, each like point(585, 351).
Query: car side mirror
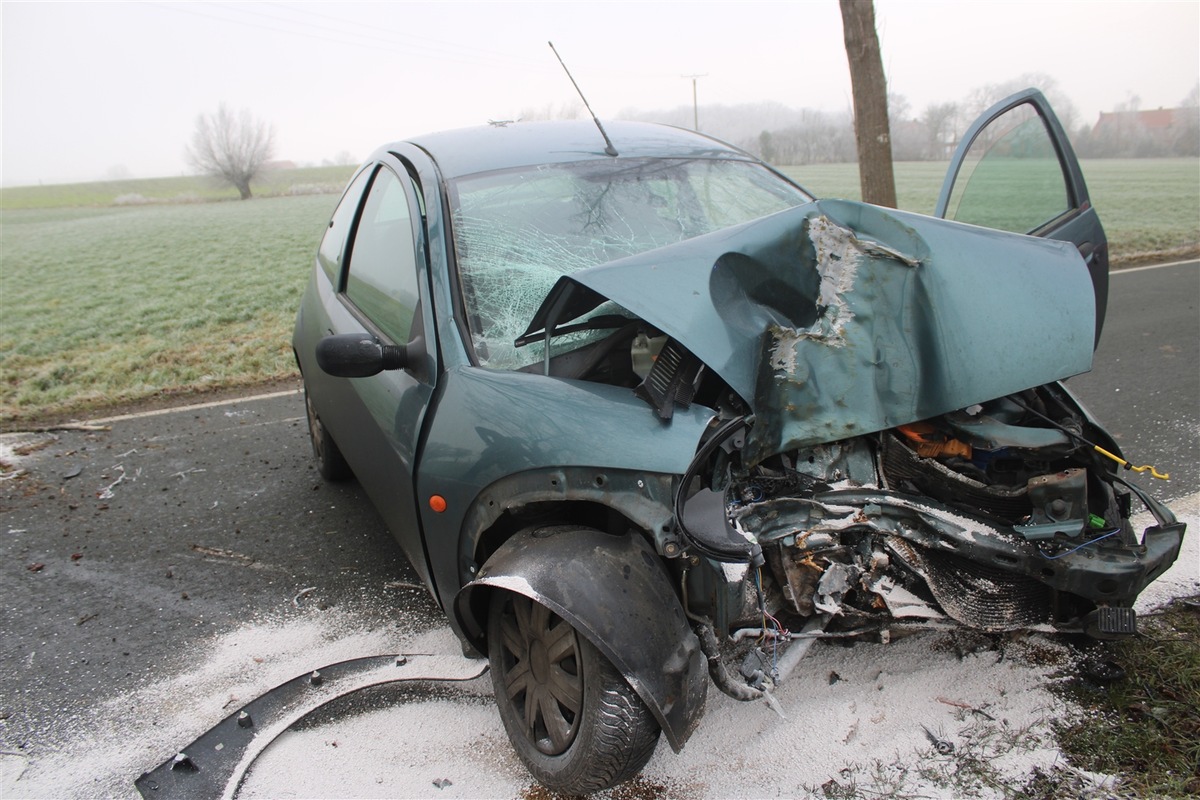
point(358, 355)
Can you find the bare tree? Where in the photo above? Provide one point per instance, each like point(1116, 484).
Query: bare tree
point(938, 119)
point(766, 148)
point(870, 103)
point(981, 97)
point(234, 148)
point(906, 134)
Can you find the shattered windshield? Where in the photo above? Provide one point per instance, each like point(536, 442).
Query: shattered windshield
point(518, 231)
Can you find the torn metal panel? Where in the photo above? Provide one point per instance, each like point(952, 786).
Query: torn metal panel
point(901, 603)
point(837, 256)
point(836, 581)
point(964, 316)
point(836, 319)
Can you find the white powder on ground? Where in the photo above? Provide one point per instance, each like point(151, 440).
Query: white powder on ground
point(395, 752)
point(108, 747)
point(883, 700)
point(856, 715)
point(879, 706)
point(1183, 578)
point(15, 450)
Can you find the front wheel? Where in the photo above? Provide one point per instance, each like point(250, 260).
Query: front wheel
point(573, 719)
point(330, 462)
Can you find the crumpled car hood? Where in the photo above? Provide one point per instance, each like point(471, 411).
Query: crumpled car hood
point(836, 319)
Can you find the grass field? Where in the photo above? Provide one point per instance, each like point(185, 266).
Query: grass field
point(108, 305)
point(1147, 205)
point(183, 189)
point(104, 303)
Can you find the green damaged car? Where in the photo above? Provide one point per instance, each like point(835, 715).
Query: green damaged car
point(649, 421)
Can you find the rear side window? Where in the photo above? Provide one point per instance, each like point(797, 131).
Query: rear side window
point(333, 244)
point(382, 278)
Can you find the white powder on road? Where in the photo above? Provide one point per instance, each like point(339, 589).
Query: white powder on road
point(882, 697)
point(111, 745)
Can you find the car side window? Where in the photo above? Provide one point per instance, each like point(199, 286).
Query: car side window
point(1011, 178)
point(333, 243)
point(382, 277)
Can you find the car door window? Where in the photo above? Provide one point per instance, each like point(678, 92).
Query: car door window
point(333, 243)
point(382, 277)
point(1011, 177)
point(1015, 170)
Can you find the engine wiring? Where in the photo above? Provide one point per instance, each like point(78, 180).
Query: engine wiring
point(775, 631)
point(1079, 547)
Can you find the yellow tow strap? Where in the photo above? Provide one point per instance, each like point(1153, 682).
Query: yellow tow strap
point(1162, 476)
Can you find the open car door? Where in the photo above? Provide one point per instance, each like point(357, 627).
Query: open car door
point(1014, 170)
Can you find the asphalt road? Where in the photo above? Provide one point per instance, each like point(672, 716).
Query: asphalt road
point(117, 548)
point(1145, 381)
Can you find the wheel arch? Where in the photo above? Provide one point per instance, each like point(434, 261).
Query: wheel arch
point(605, 499)
point(616, 592)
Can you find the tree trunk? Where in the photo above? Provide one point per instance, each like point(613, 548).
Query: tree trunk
point(871, 132)
point(243, 188)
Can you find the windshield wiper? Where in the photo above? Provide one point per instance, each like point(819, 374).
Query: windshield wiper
point(601, 322)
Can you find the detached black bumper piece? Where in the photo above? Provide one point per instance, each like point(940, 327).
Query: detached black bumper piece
point(215, 763)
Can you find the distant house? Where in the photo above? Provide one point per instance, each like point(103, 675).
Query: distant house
point(1158, 122)
point(1156, 132)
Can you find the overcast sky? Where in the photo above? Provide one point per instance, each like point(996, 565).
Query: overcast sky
point(93, 88)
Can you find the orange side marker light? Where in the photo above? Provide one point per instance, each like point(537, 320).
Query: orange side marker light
point(437, 503)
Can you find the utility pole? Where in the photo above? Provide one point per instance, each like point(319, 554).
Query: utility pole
point(695, 105)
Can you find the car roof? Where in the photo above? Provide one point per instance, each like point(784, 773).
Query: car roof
point(518, 144)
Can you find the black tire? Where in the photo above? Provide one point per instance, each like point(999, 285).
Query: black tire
point(572, 718)
point(330, 463)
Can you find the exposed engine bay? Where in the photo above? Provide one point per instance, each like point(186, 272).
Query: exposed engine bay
point(1003, 516)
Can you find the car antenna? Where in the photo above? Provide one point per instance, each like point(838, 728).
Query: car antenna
point(608, 149)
